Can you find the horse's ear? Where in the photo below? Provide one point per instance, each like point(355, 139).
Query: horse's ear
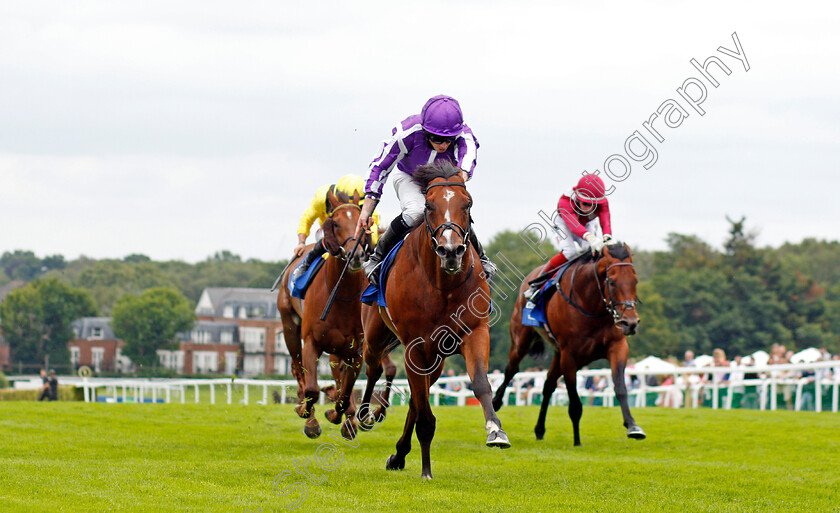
point(332, 199)
point(356, 198)
point(330, 239)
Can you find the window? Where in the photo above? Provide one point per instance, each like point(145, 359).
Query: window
point(96, 333)
point(253, 339)
point(74, 355)
point(280, 344)
point(228, 311)
point(243, 312)
point(98, 356)
point(281, 365)
point(230, 362)
point(227, 337)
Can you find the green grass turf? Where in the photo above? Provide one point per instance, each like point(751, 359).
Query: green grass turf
point(197, 457)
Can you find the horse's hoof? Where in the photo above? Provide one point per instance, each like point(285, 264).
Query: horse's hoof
point(349, 429)
point(498, 439)
point(333, 416)
point(393, 464)
point(540, 435)
point(301, 411)
point(379, 414)
point(426, 475)
point(312, 432)
point(636, 433)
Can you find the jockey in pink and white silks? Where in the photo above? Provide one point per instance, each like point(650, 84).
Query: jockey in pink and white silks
point(584, 218)
point(437, 134)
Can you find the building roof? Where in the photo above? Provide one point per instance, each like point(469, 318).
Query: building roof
point(257, 303)
point(84, 327)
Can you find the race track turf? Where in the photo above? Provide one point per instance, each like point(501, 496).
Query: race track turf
point(199, 457)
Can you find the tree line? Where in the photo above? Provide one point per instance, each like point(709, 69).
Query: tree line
point(739, 298)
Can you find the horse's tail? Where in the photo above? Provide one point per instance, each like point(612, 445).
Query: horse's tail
point(537, 348)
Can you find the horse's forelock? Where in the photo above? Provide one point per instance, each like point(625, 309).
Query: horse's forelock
point(424, 175)
point(619, 251)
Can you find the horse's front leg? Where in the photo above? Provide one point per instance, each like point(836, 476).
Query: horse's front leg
point(311, 390)
point(618, 360)
point(476, 351)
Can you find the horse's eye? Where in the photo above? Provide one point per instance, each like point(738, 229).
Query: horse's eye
point(428, 206)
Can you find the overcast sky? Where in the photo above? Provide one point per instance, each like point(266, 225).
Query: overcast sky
point(176, 129)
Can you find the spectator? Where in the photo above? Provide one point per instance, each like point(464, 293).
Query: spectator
point(53, 382)
point(692, 380)
point(45, 387)
point(452, 386)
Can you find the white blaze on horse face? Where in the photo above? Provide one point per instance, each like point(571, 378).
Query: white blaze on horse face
point(448, 196)
point(348, 215)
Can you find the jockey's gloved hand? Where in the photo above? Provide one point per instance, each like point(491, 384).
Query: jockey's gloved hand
point(609, 241)
point(595, 242)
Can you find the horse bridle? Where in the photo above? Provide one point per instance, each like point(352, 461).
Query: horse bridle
point(343, 253)
point(607, 298)
point(447, 225)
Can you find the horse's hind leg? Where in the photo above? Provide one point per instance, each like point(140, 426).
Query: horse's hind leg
point(548, 390)
point(618, 360)
point(397, 461)
point(521, 338)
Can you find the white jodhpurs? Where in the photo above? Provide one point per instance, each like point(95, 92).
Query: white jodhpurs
point(412, 199)
point(567, 246)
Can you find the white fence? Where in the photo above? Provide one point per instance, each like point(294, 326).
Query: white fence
point(689, 385)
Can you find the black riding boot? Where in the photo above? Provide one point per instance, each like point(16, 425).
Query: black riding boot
point(387, 241)
point(486, 264)
point(313, 255)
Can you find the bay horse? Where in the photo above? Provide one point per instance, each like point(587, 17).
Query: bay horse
point(340, 334)
point(438, 304)
point(589, 318)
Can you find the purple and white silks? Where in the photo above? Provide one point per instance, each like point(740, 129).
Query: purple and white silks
point(407, 149)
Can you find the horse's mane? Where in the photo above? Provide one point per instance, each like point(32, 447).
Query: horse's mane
point(425, 174)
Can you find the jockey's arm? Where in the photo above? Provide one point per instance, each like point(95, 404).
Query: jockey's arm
point(317, 210)
point(365, 219)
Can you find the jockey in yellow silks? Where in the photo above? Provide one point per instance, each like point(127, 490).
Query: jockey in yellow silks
point(319, 209)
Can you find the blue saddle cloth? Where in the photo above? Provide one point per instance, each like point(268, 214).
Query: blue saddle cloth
point(376, 295)
point(533, 314)
point(297, 288)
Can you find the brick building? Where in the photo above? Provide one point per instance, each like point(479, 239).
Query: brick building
point(95, 345)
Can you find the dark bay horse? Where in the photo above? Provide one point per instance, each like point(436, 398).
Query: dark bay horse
point(340, 334)
point(438, 304)
point(589, 318)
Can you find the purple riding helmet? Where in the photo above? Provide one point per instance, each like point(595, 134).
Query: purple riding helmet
point(442, 116)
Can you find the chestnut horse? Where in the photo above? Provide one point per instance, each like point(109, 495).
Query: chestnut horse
point(438, 304)
point(589, 318)
point(340, 334)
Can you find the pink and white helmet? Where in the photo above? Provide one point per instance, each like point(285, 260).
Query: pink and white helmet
point(590, 189)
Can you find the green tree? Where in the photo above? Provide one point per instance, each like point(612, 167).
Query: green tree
point(21, 265)
point(36, 319)
point(150, 322)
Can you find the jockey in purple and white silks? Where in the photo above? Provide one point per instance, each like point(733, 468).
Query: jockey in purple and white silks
point(437, 134)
